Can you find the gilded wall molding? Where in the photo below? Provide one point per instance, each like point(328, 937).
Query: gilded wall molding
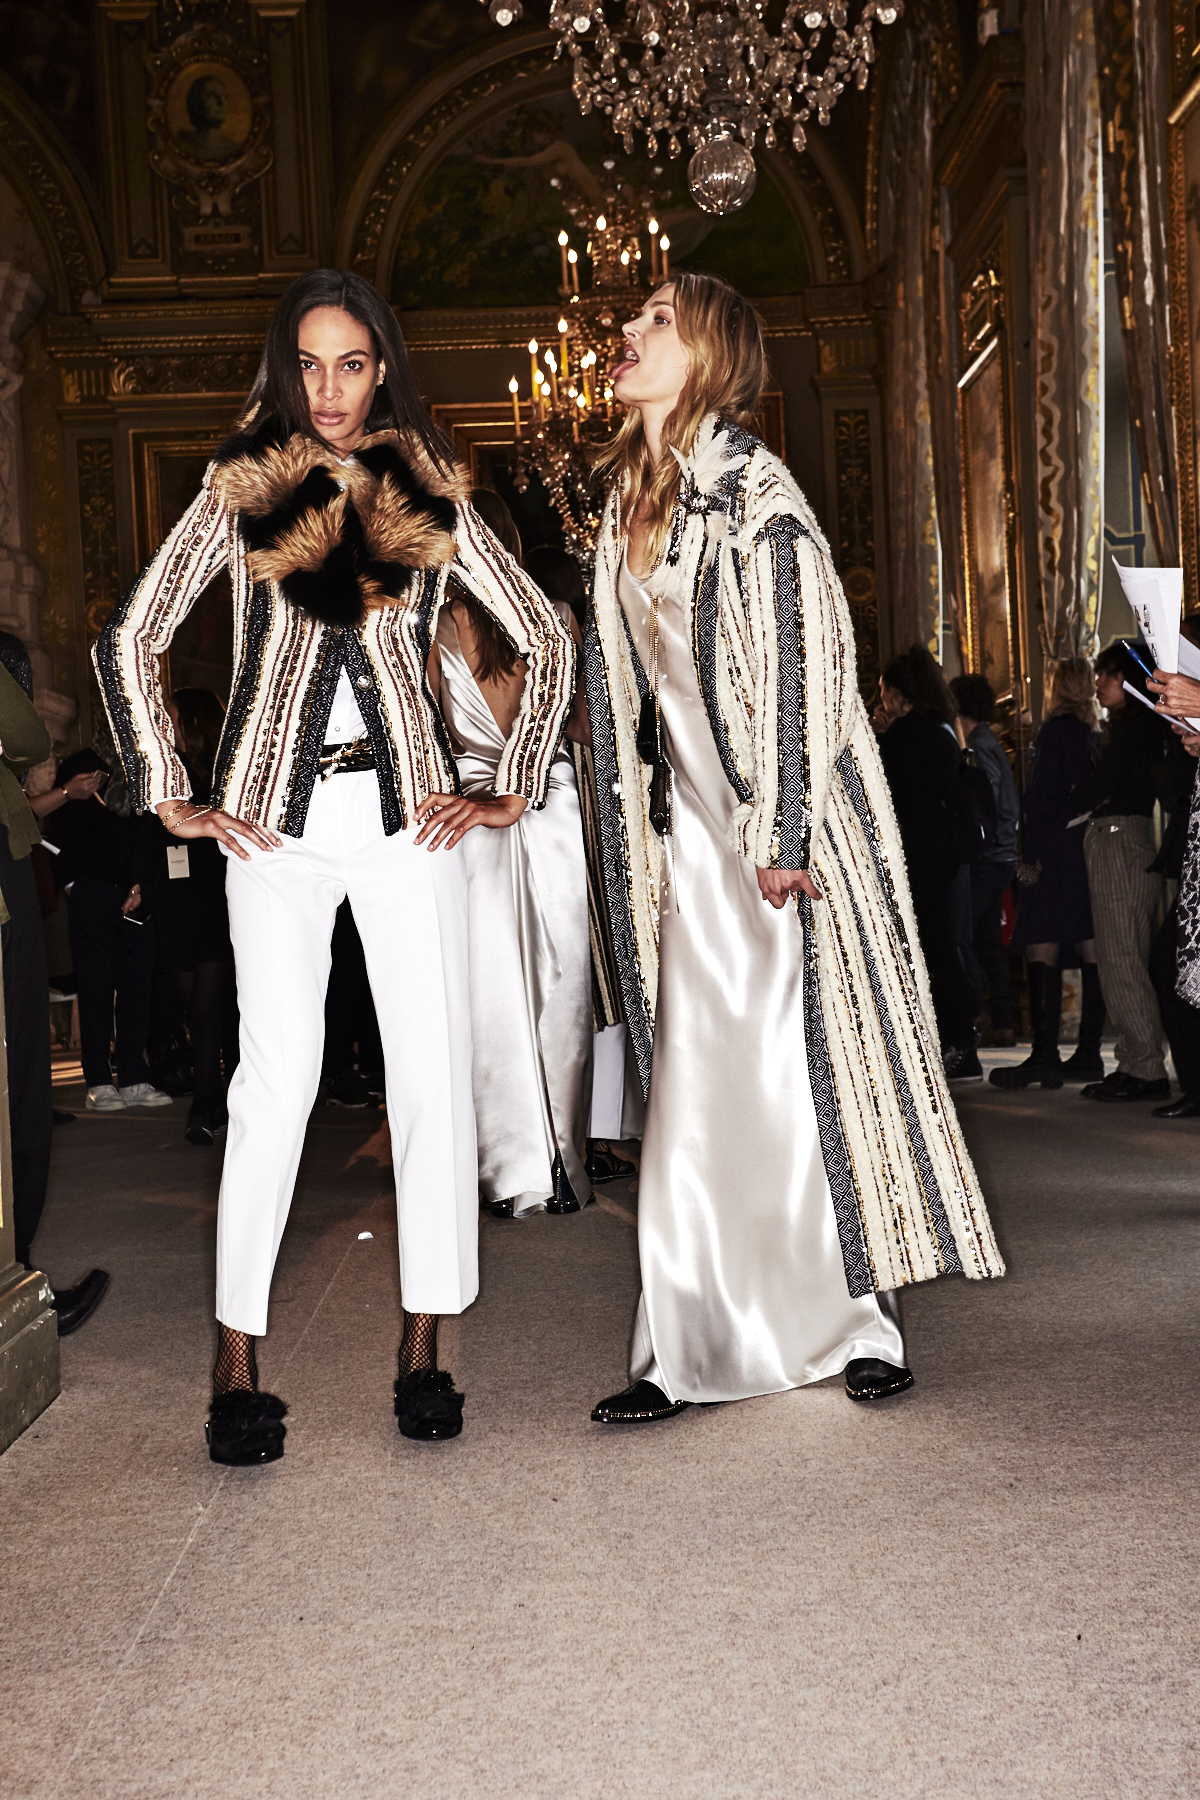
point(857, 551)
point(96, 479)
point(43, 173)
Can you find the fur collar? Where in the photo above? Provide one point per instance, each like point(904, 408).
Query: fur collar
point(339, 539)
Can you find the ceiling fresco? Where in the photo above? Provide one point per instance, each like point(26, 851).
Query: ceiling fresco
point(483, 231)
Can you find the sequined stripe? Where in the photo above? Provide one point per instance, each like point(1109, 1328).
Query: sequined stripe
point(706, 603)
point(793, 798)
point(245, 690)
point(139, 629)
point(855, 791)
point(839, 1170)
point(425, 768)
point(615, 845)
point(427, 610)
point(267, 774)
point(317, 705)
point(935, 1209)
point(524, 613)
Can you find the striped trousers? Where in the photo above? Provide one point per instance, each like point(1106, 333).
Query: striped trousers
point(1118, 852)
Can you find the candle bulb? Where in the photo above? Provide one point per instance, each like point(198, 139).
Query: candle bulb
point(562, 345)
point(562, 249)
point(553, 376)
point(652, 228)
point(533, 362)
point(664, 244)
point(512, 388)
point(573, 259)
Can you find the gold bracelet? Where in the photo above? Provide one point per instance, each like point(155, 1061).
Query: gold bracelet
point(180, 806)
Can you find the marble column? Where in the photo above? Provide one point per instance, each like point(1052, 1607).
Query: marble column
point(21, 581)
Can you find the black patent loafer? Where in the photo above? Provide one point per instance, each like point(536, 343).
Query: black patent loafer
point(497, 1209)
point(75, 1305)
point(244, 1429)
point(427, 1405)
point(1082, 1066)
point(603, 1164)
point(1119, 1086)
point(1030, 1073)
point(641, 1404)
point(563, 1199)
point(870, 1378)
point(1183, 1108)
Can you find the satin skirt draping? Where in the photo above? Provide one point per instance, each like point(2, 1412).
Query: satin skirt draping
point(531, 995)
point(743, 1285)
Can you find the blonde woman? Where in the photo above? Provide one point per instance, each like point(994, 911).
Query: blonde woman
point(801, 1157)
point(1054, 910)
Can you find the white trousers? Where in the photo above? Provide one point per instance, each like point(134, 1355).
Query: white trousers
point(410, 906)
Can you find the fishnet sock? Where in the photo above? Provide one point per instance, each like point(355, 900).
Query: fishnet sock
point(236, 1367)
point(418, 1346)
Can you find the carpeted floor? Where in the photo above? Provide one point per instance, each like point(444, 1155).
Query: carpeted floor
point(986, 1588)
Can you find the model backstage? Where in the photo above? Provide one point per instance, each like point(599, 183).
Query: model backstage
point(339, 510)
point(801, 1156)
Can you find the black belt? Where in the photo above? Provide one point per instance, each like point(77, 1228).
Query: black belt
point(346, 759)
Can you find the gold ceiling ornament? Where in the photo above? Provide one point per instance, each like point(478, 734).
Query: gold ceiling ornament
point(209, 116)
point(713, 73)
point(569, 412)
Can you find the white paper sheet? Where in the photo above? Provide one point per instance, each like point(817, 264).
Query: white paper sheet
point(1155, 598)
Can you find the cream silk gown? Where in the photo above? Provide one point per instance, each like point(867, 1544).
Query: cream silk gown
point(531, 992)
point(743, 1285)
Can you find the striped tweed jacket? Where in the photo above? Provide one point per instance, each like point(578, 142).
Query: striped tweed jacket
point(334, 564)
point(774, 653)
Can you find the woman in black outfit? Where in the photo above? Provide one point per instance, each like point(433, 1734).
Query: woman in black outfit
point(1054, 910)
point(922, 760)
point(183, 889)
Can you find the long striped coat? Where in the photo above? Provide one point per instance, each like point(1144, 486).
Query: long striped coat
point(774, 653)
point(333, 565)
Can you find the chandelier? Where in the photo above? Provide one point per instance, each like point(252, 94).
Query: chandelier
point(711, 72)
point(569, 410)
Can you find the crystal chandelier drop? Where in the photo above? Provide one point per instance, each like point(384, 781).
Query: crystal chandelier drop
point(569, 410)
point(711, 72)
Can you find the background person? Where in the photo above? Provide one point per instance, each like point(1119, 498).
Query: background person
point(922, 760)
point(1126, 891)
point(1054, 914)
point(995, 865)
point(112, 943)
point(26, 743)
point(531, 992)
point(183, 888)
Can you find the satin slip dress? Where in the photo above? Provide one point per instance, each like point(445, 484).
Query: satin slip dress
point(743, 1284)
point(530, 959)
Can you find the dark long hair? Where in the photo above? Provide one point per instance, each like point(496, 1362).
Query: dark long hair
point(918, 678)
point(278, 399)
point(201, 718)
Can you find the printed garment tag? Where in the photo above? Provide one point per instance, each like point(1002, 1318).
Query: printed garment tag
point(177, 862)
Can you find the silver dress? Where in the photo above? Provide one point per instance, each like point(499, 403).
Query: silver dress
point(531, 992)
point(743, 1285)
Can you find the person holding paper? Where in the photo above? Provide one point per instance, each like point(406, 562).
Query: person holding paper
point(1119, 848)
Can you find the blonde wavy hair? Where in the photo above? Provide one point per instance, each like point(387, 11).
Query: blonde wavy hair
point(1071, 687)
point(722, 335)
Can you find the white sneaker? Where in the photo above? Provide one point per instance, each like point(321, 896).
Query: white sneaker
point(104, 1099)
point(142, 1094)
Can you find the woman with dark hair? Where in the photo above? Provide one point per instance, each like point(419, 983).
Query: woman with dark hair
point(1054, 911)
point(922, 760)
point(182, 887)
point(339, 509)
point(801, 1156)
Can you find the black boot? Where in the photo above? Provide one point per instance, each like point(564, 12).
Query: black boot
point(1042, 1067)
point(1087, 1064)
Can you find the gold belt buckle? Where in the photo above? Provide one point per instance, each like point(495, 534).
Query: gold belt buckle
point(330, 765)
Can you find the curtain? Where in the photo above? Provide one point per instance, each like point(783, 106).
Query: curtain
point(1066, 303)
point(905, 197)
point(1133, 52)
